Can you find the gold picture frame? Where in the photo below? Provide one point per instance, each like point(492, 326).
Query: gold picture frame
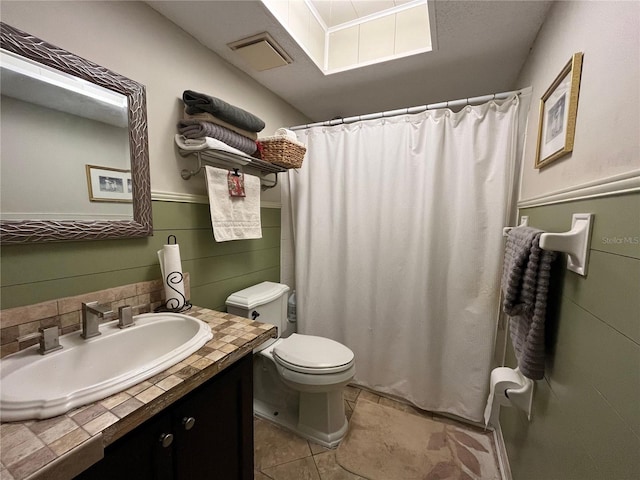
point(558, 112)
point(108, 184)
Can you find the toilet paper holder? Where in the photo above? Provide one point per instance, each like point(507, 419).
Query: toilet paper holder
point(509, 388)
point(522, 397)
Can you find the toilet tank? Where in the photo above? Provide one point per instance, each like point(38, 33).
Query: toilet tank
point(267, 299)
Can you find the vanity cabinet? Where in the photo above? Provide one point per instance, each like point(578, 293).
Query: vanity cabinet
point(208, 434)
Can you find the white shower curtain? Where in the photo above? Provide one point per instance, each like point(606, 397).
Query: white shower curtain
point(397, 227)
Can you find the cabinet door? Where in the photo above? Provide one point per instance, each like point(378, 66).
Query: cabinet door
point(213, 427)
point(139, 454)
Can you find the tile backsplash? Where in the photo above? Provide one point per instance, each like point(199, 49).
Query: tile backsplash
point(19, 326)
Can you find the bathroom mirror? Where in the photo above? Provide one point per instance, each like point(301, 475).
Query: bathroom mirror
point(75, 158)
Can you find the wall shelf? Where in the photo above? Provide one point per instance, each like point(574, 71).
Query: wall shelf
point(231, 161)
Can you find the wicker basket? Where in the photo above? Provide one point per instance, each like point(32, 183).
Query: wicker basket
point(282, 151)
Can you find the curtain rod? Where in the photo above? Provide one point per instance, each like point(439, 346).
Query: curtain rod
point(402, 111)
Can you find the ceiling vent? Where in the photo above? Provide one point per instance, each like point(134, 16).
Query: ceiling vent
point(261, 52)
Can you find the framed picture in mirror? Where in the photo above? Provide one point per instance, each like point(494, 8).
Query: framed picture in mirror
point(109, 184)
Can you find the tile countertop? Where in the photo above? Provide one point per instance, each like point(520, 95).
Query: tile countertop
point(63, 446)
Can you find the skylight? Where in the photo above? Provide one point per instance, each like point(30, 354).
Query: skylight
point(341, 35)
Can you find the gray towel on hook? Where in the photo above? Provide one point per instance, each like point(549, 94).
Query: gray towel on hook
point(525, 286)
point(199, 102)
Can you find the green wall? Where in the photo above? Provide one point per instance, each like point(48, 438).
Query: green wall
point(586, 414)
point(35, 273)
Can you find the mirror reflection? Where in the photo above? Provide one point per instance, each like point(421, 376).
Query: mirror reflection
point(105, 185)
point(65, 146)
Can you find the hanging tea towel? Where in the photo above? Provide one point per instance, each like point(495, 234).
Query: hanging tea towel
point(233, 218)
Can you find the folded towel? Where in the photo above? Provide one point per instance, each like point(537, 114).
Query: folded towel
point(207, 117)
point(285, 132)
point(525, 286)
point(292, 139)
point(233, 218)
point(206, 143)
point(199, 102)
point(200, 129)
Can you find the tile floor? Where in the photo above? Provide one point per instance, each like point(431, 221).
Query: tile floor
point(282, 455)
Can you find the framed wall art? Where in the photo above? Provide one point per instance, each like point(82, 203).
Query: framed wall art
point(558, 112)
point(109, 184)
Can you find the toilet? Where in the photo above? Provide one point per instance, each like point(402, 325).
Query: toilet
point(297, 379)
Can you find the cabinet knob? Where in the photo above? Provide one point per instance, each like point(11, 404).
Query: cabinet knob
point(188, 422)
point(166, 439)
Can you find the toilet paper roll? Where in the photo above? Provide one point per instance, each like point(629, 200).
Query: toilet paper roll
point(503, 379)
point(172, 277)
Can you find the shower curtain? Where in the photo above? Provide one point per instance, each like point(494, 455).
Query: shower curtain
point(397, 234)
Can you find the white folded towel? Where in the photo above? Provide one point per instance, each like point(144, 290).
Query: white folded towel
point(205, 143)
point(233, 218)
point(285, 132)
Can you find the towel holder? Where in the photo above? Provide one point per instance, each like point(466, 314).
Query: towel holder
point(524, 222)
point(575, 242)
point(228, 160)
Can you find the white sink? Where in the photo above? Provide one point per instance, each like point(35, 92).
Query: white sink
point(84, 371)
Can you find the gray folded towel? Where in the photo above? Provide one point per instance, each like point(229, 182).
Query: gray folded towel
point(525, 286)
point(207, 117)
point(199, 102)
point(198, 129)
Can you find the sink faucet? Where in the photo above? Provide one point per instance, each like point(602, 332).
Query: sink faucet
point(92, 312)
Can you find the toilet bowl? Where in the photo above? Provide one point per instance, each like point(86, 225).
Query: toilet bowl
point(299, 379)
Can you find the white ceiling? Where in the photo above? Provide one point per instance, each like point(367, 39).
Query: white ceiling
point(336, 12)
point(479, 48)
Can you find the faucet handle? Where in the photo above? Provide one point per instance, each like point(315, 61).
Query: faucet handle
point(49, 340)
point(125, 316)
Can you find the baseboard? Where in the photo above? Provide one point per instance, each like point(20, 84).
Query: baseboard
point(501, 451)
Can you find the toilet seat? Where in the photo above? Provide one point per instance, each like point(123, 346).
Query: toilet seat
point(312, 355)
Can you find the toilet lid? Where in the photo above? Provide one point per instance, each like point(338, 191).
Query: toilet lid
point(313, 352)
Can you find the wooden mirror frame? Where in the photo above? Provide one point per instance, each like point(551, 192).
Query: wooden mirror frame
point(31, 231)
